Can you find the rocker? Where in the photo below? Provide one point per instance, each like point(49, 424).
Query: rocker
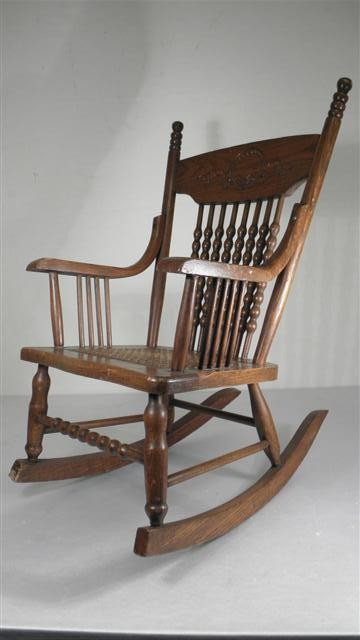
point(233, 259)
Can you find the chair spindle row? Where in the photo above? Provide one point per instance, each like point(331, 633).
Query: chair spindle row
point(226, 313)
point(93, 301)
point(56, 310)
point(96, 290)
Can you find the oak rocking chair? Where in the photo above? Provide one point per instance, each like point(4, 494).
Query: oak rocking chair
point(240, 192)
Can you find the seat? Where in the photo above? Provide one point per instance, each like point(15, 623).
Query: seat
point(237, 278)
point(146, 368)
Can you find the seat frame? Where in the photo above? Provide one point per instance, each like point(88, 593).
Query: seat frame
point(221, 300)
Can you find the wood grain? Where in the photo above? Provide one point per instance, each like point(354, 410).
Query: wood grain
point(262, 169)
point(37, 408)
point(264, 423)
point(295, 232)
point(215, 463)
point(56, 310)
point(167, 213)
point(211, 524)
point(155, 459)
point(80, 311)
point(94, 463)
point(94, 363)
point(233, 257)
point(214, 412)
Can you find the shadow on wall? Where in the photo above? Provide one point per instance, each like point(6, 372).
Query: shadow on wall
point(78, 101)
point(213, 135)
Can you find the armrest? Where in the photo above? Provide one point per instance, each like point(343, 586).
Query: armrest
point(206, 268)
point(69, 267)
point(292, 240)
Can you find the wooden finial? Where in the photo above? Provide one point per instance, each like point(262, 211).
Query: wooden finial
point(176, 136)
point(340, 98)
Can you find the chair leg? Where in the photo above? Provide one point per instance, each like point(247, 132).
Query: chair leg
point(38, 406)
point(170, 414)
point(156, 458)
point(264, 423)
point(213, 523)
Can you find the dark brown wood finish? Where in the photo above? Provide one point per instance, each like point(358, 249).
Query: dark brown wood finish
point(263, 169)
point(56, 310)
point(214, 412)
point(219, 520)
point(184, 325)
point(94, 439)
point(93, 463)
point(80, 311)
point(132, 367)
point(215, 463)
point(264, 423)
point(309, 199)
point(38, 407)
point(52, 425)
point(158, 289)
point(241, 194)
point(156, 459)
point(299, 220)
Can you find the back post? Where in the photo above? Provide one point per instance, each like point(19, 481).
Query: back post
point(159, 282)
point(309, 198)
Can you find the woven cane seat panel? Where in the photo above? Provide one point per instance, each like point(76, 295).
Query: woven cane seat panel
point(146, 368)
point(159, 357)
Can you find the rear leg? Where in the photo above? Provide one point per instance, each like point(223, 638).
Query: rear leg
point(264, 424)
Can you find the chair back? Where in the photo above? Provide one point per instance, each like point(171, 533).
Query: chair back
point(240, 193)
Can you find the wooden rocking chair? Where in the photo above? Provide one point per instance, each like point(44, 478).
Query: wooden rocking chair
point(240, 193)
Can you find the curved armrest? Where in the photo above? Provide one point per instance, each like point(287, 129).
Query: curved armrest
point(206, 268)
point(293, 238)
point(69, 267)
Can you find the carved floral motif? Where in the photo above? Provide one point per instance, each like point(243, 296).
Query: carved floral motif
point(236, 175)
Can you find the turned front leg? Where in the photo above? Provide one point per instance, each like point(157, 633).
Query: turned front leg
point(156, 459)
point(170, 413)
point(38, 407)
point(264, 423)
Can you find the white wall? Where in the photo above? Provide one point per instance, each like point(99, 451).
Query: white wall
point(91, 89)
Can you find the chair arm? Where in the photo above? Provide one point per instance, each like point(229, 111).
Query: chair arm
point(292, 239)
point(206, 268)
point(69, 267)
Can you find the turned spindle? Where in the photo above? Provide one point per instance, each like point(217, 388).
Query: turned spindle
point(340, 98)
point(156, 459)
point(37, 409)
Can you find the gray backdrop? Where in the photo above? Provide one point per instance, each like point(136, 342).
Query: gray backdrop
point(91, 89)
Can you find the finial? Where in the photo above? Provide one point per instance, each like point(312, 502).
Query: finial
point(344, 85)
point(176, 136)
point(340, 98)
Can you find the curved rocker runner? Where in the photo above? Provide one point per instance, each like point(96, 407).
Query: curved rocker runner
point(215, 522)
point(239, 248)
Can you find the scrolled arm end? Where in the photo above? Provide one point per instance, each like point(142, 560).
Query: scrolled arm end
point(38, 265)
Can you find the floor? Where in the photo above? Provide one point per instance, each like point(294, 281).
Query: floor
point(292, 568)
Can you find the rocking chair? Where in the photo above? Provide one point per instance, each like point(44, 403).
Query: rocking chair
point(240, 192)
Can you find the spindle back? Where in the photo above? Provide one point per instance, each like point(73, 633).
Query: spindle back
point(247, 172)
point(240, 193)
point(238, 233)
